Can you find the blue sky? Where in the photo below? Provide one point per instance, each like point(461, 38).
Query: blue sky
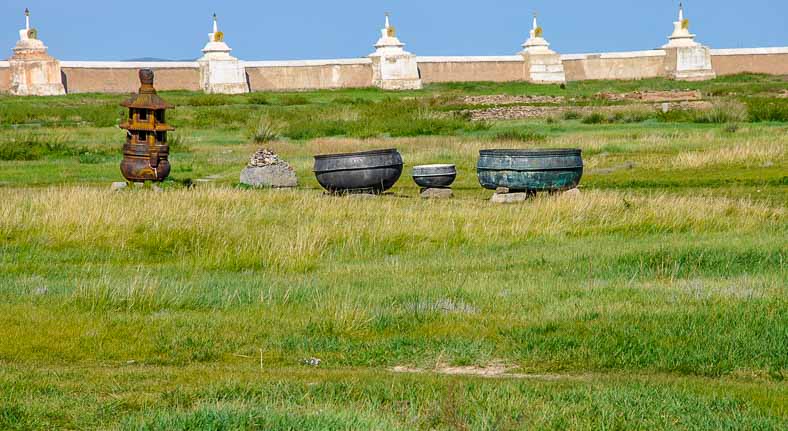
point(310, 29)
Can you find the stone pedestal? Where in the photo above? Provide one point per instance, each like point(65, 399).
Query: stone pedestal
point(542, 65)
point(276, 176)
point(393, 68)
point(509, 198)
point(221, 73)
point(33, 71)
point(544, 68)
point(689, 63)
point(218, 76)
point(436, 193)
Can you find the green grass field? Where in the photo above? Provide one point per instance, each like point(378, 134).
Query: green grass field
point(655, 299)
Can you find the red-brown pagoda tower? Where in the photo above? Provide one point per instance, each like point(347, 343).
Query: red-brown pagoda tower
point(146, 153)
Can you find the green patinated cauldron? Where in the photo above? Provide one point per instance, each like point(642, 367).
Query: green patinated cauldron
point(530, 170)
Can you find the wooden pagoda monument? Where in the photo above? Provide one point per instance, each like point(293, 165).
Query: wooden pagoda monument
point(146, 153)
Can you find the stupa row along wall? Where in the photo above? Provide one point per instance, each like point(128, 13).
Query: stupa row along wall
point(31, 71)
point(121, 77)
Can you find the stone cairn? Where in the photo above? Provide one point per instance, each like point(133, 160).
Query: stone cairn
point(266, 169)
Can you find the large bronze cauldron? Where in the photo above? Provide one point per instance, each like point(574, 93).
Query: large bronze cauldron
point(146, 153)
point(530, 170)
point(368, 171)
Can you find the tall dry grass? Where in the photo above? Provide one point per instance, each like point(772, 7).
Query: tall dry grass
point(750, 153)
point(291, 231)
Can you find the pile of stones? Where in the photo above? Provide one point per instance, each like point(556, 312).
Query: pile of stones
point(263, 157)
point(266, 169)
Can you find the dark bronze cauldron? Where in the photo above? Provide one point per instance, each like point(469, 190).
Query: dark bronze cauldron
point(367, 171)
point(146, 153)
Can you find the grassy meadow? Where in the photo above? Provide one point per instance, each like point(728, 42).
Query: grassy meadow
point(657, 298)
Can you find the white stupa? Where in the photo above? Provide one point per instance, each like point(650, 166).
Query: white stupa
point(220, 72)
point(393, 68)
point(536, 44)
point(686, 59)
point(681, 36)
point(543, 65)
point(33, 71)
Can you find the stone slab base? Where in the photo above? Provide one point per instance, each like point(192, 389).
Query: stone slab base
point(278, 176)
point(119, 185)
point(399, 84)
point(509, 198)
point(693, 75)
point(237, 88)
point(34, 73)
point(544, 68)
point(38, 90)
point(504, 196)
point(436, 193)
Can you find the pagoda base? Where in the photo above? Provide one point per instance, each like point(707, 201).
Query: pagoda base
point(689, 63)
point(398, 84)
point(223, 77)
point(395, 72)
point(36, 78)
point(544, 68)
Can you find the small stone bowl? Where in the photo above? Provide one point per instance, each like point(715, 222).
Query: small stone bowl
point(434, 176)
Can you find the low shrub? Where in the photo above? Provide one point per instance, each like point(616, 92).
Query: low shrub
point(521, 135)
point(258, 99)
point(767, 109)
point(178, 142)
point(60, 114)
point(21, 146)
point(344, 100)
point(265, 129)
point(293, 100)
point(30, 146)
point(207, 100)
point(234, 117)
point(91, 157)
point(571, 115)
point(721, 113)
point(593, 118)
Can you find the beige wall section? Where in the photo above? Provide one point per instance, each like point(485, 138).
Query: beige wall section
point(121, 77)
point(772, 61)
point(623, 65)
point(469, 69)
point(5, 77)
point(104, 77)
point(308, 75)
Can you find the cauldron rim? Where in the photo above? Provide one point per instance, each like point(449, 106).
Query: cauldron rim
point(359, 153)
point(536, 152)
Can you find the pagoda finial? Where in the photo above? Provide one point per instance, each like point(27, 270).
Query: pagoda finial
point(681, 11)
point(535, 25)
point(387, 20)
point(27, 19)
point(215, 23)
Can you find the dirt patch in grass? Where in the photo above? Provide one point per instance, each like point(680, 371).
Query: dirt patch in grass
point(527, 112)
point(652, 96)
point(495, 369)
point(507, 99)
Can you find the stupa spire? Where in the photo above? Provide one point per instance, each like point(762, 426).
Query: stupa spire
point(681, 11)
point(215, 24)
point(388, 24)
point(27, 19)
point(535, 25)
